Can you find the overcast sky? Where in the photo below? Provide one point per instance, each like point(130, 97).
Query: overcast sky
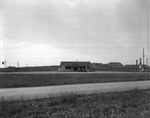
point(45, 32)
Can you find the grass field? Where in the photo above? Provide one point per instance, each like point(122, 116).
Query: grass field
point(33, 80)
point(132, 104)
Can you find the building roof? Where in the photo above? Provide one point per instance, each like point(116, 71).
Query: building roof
point(115, 64)
point(71, 63)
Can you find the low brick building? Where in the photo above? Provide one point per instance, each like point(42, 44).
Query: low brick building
point(75, 66)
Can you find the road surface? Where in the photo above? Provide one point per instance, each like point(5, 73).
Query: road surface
point(43, 92)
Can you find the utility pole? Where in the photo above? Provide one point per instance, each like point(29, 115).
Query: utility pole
point(5, 63)
point(147, 61)
point(137, 65)
point(148, 35)
point(18, 64)
point(143, 58)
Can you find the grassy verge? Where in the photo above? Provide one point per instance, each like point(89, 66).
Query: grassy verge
point(133, 104)
point(33, 80)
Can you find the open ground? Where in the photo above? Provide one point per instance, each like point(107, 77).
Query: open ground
point(35, 79)
point(132, 104)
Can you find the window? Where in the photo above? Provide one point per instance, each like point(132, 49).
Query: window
point(88, 67)
point(68, 67)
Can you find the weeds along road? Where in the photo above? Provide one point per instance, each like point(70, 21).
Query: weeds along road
point(43, 92)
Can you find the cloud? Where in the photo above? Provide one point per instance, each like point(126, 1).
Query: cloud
point(70, 3)
point(40, 54)
point(73, 26)
point(30, 20)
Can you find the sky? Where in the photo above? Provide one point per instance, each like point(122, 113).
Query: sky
point(46, 32)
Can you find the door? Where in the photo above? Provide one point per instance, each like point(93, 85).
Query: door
point(75, 68)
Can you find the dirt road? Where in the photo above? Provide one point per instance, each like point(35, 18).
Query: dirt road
point(56, 72)
point(42, 92)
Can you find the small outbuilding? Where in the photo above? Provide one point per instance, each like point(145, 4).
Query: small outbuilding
point(75, 66)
